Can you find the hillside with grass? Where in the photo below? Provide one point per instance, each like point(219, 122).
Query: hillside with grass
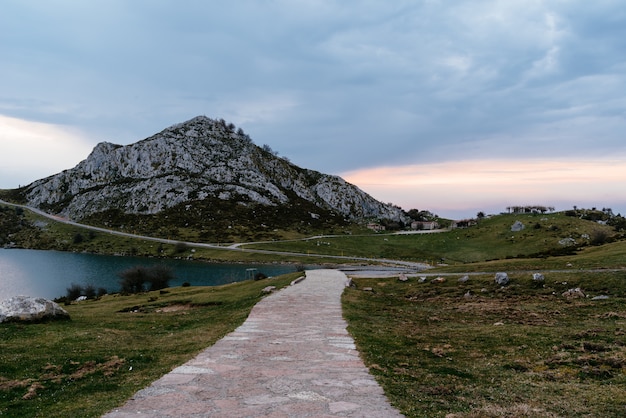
point(446, 342)
point(543, 238)
point(202, 180)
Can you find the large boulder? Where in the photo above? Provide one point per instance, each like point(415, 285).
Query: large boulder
point(30, 309)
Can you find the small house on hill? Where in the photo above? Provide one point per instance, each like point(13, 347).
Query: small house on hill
point(463, 223)
point(375, 227)
point(424, 225)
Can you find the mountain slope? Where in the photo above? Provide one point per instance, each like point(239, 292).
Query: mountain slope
point(195, 163)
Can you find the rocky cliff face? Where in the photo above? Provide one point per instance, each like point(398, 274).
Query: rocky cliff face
point(190, 162)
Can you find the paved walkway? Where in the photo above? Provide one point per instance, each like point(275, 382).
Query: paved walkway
point(291, 358)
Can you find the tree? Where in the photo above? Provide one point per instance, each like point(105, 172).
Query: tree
point(159, 277)
point(139, 278)
point(73, 292)
point(269, 149)
point(133, 280)
point(89, 291)
point(480, 215)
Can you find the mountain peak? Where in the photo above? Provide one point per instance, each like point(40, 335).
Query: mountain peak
point(191, 163)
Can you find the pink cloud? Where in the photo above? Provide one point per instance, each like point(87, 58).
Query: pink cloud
point(491, 185)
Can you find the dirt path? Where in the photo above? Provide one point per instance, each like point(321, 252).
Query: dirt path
point(293, 357)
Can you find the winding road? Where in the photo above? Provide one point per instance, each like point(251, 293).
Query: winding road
point(231, 247)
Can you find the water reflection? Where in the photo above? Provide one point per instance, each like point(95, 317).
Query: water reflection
point(49, 273)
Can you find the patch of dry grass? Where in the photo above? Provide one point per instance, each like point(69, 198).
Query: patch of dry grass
point(475, 349)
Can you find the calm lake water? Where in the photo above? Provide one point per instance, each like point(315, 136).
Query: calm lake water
point(49, 273)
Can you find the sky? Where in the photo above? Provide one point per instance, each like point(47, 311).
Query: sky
point(454, 107)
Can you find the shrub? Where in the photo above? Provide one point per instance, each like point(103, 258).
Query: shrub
point(159, 277)
point(180, 247)
point(73, 292)
point(89, 291)
point(135, 279)
point(598, 237)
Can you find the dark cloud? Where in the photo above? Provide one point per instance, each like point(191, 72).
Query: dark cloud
point(333, 85)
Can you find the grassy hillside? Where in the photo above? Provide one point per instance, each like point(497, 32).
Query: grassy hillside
point(440, 348)
point(491, 239)
point(488, 246)
point(24, 229)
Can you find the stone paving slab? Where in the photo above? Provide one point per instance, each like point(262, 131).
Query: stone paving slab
point(293, 357)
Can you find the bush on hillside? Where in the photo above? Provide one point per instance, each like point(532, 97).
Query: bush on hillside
point(73, 292)
point(140, 279)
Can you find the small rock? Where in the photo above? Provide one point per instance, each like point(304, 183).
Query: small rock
point(368, 289)
point(600, 297)
point(498, 324)
point(403, 277)
point(269, 289)
point(501, 279)
point(517, 226)
point(573, 293)
point(467, 295)
point(538, 277)
point(438, 280)
point(299, 279)
point(464, 279)
point(422, 279)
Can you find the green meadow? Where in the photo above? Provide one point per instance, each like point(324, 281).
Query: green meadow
point(439, 346)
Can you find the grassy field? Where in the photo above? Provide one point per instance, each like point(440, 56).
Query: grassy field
point(475, 349)
point(114, 346)
point(440, 349)
point(491, 239)
point(42, 233)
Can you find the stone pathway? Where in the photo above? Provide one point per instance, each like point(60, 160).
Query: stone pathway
point(293, 357)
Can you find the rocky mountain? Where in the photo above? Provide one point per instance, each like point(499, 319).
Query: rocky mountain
point(192, 163)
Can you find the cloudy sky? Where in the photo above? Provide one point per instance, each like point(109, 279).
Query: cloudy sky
point(449, 106)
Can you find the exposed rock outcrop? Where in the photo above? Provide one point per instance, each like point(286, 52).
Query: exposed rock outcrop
point(199, 159)
point(30, 309)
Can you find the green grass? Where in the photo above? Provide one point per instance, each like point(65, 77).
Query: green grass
point(524, 350)
point(607, 256)
point(42, 233)
point(489, 244)
point(114, 346)
point(492, 239)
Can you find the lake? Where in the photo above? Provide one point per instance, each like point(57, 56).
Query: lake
point(49, 273)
